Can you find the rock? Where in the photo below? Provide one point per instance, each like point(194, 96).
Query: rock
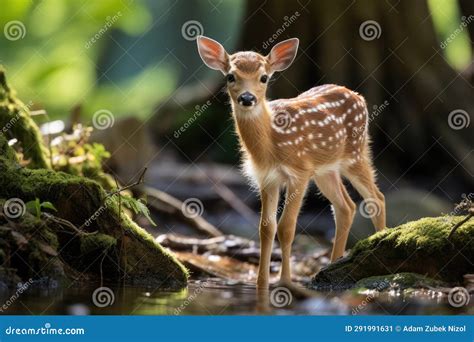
point(420, 247)
point(403, 205)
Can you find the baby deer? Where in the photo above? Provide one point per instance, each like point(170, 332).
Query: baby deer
point(320, 134)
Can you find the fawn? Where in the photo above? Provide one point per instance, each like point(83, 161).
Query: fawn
point(320, 134)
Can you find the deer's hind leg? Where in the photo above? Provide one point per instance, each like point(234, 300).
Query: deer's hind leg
point(362, 177)
point(331, 186)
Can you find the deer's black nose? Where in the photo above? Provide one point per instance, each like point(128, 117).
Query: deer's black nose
point(246, 99)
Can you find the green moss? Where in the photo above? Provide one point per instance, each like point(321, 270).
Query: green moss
point(428, 234)
point(15, 121)
point(420, 246)
point(94, 242)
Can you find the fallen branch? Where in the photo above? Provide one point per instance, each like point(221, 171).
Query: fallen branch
point(172, 205)
point(233, 201)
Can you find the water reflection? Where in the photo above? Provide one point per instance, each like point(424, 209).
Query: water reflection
point(216, 297)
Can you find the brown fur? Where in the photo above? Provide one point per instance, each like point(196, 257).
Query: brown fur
point(248, 62)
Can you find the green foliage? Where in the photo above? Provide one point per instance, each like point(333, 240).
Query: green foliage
point(35, 207)
point(73, 154)
point(452, 32)
point(138, 206)
point(56, 35)
point(117, 55)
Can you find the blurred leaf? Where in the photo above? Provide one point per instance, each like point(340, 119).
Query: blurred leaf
point(48, 205)
point(448, 25)
point(35, 207)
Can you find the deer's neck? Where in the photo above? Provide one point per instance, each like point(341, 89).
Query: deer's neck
point(255, 131)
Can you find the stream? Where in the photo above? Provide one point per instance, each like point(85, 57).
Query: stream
point(214, 296)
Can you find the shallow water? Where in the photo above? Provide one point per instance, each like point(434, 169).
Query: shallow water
point(215, 297)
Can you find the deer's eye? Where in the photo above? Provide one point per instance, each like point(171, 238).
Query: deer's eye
point(264, 79)
point(230, 78)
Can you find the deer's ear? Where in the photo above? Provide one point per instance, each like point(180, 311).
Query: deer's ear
point(213, 54)
point(283, 54)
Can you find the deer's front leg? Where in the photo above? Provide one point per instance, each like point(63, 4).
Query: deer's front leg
point(269, 197)
point(287, 226)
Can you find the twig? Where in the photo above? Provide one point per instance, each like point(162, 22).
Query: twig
point(465, 205)
point(66, 223)
point(139, 181)
point(118, 191)
point(122, 240)
point(460, 223)
point(120, 200)
point(101, 268)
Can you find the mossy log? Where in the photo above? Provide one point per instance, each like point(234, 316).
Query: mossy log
point(88, 238)
point(420, 247)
